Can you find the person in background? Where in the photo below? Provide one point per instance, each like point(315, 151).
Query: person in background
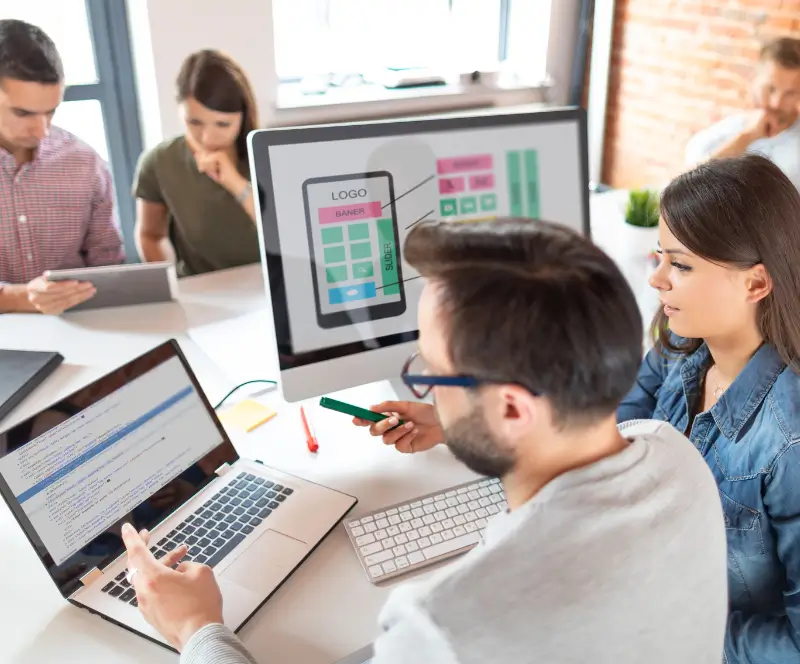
point(56, 193)
point(612, 547)
point(772, 127)
point(194, 201)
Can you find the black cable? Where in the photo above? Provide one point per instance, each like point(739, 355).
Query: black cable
point(240, 385)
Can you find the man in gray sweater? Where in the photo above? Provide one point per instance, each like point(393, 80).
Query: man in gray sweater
point(613, 546)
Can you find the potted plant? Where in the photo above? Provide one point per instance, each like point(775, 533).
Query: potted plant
point(641, 223)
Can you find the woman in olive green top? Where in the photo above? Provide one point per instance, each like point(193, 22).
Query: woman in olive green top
point(194, 202)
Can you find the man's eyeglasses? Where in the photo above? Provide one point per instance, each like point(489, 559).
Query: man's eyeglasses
point(421, 383)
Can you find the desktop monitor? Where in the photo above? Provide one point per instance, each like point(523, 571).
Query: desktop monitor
point(337, 201)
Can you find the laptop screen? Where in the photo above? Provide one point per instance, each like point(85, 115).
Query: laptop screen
point(132, 446)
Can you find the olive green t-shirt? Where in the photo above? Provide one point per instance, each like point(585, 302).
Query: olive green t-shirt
point(207, 227)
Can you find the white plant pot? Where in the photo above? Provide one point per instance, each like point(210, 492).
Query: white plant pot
point(638, 242)
point(636, 245)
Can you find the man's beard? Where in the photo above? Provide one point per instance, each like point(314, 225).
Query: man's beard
point(471, 442)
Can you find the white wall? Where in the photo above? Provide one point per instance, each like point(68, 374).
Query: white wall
point(164, 32)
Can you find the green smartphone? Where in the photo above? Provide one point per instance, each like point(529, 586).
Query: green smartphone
point(350, 409)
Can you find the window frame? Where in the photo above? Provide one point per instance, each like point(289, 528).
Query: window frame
point(115, 90)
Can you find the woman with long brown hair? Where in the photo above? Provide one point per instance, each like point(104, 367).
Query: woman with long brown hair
point(194, 201)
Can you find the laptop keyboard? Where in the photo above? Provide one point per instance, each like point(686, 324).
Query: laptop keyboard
point(216, 528)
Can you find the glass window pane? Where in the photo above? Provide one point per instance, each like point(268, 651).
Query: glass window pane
point(67, 24)
point(85, 120)
point(361, 36)
point(528, 38)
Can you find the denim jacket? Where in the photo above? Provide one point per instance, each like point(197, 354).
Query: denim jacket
point(749, 439)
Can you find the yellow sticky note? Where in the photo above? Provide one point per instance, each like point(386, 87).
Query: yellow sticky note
point(247, 415)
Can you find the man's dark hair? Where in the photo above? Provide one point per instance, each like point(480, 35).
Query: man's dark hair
point(784, 51)
point(28, 54)
point(536, 304)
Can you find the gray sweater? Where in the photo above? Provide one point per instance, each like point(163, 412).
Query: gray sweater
point(623, 561)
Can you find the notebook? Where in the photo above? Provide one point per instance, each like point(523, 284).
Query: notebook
point(21, 371)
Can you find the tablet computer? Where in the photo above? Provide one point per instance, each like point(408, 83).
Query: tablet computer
point(123, 285)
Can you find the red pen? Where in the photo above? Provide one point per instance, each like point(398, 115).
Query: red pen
point(311, 440)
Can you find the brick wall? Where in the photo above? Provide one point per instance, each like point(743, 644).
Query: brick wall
point(676, 67)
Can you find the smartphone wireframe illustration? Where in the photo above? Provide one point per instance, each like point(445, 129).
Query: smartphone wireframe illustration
point(354, 248)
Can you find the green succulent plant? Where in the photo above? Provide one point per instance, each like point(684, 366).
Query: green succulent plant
point(642, 209)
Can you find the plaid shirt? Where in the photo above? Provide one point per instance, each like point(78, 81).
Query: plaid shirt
point(57, 211)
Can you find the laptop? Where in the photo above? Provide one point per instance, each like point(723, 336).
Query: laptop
point(143, 445)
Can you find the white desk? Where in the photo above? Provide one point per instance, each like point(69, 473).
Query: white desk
point(327, 608)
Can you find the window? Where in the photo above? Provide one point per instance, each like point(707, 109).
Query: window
point(100, 105)
point(350, 39)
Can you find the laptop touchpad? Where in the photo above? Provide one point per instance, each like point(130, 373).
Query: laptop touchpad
point(267, 562)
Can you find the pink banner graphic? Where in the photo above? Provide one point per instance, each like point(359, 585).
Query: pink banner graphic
point(480, 182)
point(451, 185)
point(340, 213)
point(478, 162)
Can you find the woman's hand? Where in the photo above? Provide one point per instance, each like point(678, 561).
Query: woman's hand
point(220, 168)
point(420, 431)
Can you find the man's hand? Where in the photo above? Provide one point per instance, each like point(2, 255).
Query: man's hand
point(421, 429)
point(55, 297)
point(178, 602)
point(763, 123)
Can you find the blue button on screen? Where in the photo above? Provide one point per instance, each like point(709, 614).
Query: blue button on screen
point(353, 293)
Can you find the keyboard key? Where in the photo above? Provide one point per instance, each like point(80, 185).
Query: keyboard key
point(170, 546)
point(416, 557)
point(253, 511)
point(225, 489)
point(247, 504)
point(230, 545)
point(116, 591)
point(198, 511)
point(125, 583)
point(192, 540)
point(241, 485)
point(271, 494)
point(389, 567)
point(269, 485)
point(436, 538)
point(227, 509)
point(236, 502)
point(405, 527)
point(481, 523)
point(365, 539)
point(128, 595)
point(413, 534)
point(358, 531)
point(259, 480)
point(159, 554)
point(201, 559)
point(206, 514)
point(180, 526)
point(262, 503)
point(223, 500)
point(214, 534)
point(382, 523)
point(108, 586)
point(203, 543)
point(201, 532)
point(401, 562)
point(447, 535)
point(424, 531)
point(247, 530)
point(458, 531)
point(195, 551)
point(394, 519)
point(371, 548)
point(241, 476)
point(278, 487)
point(450, 546)
point(258, 494)
point(219, 542)
point(424, 542)
point(470, 527)
point(287, 491)
point(413, 546)
point(236, 526)
point(265, 512)
point(399, 550)
point(376, 571)
point(369, 527)
point(239, 511)
point(255, 522)
point(198, 522)
point(436, 528)
point(273, 505)
point(179, 538)
point(377, 558)
point(249, 477)
point(134, 602)
point(459, 520)
point(121, 575)
point(228, 534)
point(230, 518)
point(189, 530)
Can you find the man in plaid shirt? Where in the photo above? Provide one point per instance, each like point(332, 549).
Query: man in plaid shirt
point(56, 194)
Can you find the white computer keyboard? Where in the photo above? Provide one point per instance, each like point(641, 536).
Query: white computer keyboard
point(405, 537)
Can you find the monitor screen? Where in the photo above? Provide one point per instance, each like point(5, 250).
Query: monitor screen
point(340, 201)
point(132, 446)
